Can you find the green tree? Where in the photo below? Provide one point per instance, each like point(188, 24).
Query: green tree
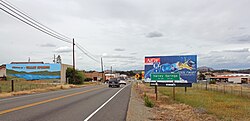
point(79, 77)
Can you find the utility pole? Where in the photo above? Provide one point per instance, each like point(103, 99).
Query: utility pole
point(103, 80)
point(73, 60)
point(54, 58)
point(111, 70)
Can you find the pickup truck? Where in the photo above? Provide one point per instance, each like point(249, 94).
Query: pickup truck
point(114, 82)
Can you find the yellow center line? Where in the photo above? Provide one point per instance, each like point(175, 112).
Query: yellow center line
point(45, 101)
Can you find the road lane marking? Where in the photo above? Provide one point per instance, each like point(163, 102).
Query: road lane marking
point(46, 101)
point(92, 114)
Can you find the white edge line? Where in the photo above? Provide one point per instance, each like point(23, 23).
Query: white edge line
point(92, 114)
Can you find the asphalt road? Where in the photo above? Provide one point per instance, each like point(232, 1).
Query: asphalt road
point(93, 103)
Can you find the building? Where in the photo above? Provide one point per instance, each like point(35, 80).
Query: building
point(232, 78)
point(95, 76)
point(2, 72)
point(63, 72)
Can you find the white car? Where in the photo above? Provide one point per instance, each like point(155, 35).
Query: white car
point(122, 82)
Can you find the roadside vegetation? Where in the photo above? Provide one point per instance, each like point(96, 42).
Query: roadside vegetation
point(22, 84)
point(224, 106)
point(148, 102)
point(79, 77)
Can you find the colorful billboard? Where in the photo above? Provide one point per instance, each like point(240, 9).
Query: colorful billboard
point(34, 71)
point(185, 65)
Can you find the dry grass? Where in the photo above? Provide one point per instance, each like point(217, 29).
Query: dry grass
point(225, 106)
point(44, 89)
point(167, 109)
point(58, 87)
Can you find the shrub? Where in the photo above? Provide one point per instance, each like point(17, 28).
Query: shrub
point(148, 102)
point(79, 77)
point(212, 82)
point(88, 79)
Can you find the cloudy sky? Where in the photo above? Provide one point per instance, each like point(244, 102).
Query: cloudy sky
point(123, 32)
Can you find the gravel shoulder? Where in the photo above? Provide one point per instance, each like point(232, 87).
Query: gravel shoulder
point(137, 111)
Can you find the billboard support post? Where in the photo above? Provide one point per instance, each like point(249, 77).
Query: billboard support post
point(185, 90)
point(156, 91)
point(173, 90)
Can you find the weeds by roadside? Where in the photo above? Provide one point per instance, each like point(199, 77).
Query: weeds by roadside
point(147, 101)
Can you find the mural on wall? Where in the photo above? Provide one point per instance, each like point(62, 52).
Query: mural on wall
point(34, 71)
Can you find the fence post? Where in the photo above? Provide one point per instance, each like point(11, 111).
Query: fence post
point(241, 91)
point(206, 85)
point(224, 89)
point(231, 89)
point(12, 85)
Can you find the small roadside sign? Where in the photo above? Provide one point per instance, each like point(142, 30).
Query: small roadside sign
point(165, 77)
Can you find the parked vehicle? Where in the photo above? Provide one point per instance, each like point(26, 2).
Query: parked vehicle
point(114, 82)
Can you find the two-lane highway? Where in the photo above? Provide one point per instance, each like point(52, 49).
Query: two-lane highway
point(88, 103)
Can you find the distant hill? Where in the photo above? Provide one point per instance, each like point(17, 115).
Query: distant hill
point(244, 71)
point(205, 69)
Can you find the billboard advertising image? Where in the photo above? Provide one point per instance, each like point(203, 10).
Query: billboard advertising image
point(184, 65)
point(34, 71)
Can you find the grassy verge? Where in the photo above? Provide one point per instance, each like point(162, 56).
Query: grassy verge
point(224, 106)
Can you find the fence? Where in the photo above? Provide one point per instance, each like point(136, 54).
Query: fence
point(21, 85)
point(235, 89)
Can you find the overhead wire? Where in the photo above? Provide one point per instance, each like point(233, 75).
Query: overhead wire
point(23, 13)
point(39, 26)
point(31, 23)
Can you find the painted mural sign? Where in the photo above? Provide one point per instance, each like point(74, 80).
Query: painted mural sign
point(184, 65)
point(34, 71)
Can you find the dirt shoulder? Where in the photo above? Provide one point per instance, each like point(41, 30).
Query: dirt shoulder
point(26, 92)
point(165, 108)
point(137, 111)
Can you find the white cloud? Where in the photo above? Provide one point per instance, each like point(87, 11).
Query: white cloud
point(48, 45)
point(64, 49)
point(119, 49)
point(154, 34)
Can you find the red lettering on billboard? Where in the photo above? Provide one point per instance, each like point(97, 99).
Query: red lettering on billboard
point(150, 61)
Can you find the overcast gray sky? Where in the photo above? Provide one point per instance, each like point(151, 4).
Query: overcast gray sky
point(125, 31)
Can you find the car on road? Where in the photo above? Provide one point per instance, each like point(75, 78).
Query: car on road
point(114, 82)
point(122, 82)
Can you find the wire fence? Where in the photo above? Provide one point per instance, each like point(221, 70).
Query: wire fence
point(22, 85)
point(226, 88)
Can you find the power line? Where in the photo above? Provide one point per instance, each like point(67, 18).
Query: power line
point(83, 51)
point(23, 13)
point(86, 50)
point(34, 25)
point(37, 25)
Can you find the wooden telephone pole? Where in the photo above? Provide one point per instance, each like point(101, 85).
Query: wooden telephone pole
point(103, 78)
point(73, 60)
